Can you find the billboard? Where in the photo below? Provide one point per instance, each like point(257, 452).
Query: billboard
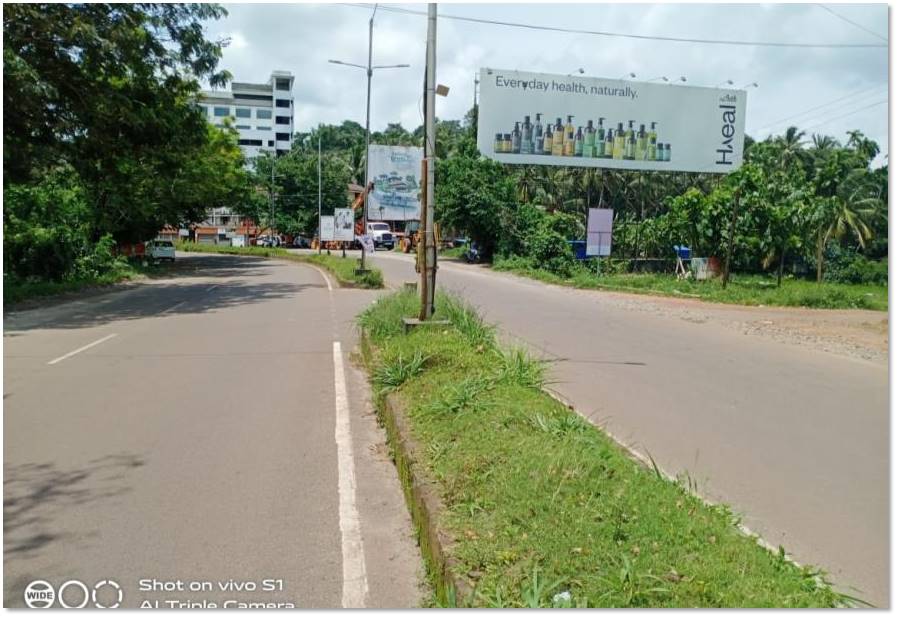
point(545, 119)
point(395, 172)
point(343, 225)
point(599, 231)
point(327, 229)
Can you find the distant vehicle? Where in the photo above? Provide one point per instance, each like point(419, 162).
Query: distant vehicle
point(381, 235)
point(267, 241)
point(159, 250)
point(301, 242)
point(472, 253)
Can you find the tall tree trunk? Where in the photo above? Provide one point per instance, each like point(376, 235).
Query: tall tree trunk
point(820, 249)
point(781, 265)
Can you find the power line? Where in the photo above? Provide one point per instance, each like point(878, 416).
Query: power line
point(806, 111)
point(852, 23)
point(855, 111)
point(629, 36)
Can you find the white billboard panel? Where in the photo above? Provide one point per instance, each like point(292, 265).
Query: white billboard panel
point(395, 172)
point(545, 119)
point(328, 233)
point(599, 231)
point(343, 225)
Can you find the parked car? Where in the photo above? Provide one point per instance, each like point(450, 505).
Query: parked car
point(382, 235)
point(301, 242)
point(159, 250)
point(267, 241)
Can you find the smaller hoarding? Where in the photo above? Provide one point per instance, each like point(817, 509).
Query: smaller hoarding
point(327, 229)
point(395, 172)
point(344, 225)
point(600, 231)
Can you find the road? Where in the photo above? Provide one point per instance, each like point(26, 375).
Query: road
point(208, 427)
point(792, 437)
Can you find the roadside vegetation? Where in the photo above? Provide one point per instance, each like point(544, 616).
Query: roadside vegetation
point(745, 289)
point(543, 509)
point(343, 268)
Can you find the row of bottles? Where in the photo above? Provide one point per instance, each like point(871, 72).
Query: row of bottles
point(589, 141)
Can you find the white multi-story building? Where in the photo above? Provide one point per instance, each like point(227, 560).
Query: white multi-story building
point(261, 113)
point(263, 117)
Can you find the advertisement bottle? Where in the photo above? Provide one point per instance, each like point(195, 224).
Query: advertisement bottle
point(641, 144)
point(569, 137)
point(588, 144)
point(609, 141)
point(497, 146)
point(557, 139)
point(629, 153)
point(537, 135)
point(526, 143)
point(578, 142)
point(619, 141)
point(599, 140)
point(547, 140)
point(659, 151)
point(652, 148)
point(629, 131)
point(653, 132)
point(667, 153)
point(515, 139)
point(506, 143)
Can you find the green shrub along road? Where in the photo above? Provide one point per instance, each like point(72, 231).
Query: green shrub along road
point(542, 508)
point(753, 290)
point(343, 268)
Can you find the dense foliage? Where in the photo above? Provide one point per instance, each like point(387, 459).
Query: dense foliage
point(102, 136)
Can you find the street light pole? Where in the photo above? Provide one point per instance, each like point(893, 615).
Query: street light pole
point(367, 134)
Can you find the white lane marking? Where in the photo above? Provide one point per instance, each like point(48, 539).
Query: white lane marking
point(326, 278)
point(355, 583)
point(80, 349)
point(171, 308)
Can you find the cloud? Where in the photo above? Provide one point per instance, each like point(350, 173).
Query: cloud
point(301, 38)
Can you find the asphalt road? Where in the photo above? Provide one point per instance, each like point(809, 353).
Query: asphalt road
point(793, 438)
point(188, 429)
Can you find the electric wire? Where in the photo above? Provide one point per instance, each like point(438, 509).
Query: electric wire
point(809, 111)
point(852, 23)
point(855, 111)
point(669, 39)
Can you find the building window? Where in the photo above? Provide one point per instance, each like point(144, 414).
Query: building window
point(281, 84)
point(282, 136)
point(262, 128)
point(263, 114)
point(252, 97)
point(282, 103)
point(244, 112)
point(270, 143)
point(220, 112)
point(249, 142)
point(245, 127)
point(282, 120)
point(205, 110)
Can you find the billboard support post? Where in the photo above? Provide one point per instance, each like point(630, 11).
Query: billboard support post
point(731, 238)
point(319, 190)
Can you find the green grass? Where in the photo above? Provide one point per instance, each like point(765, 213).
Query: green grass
point(750, 290)
point(540, 502)
point(16, 291)
point(343, 268)
point(455, 252)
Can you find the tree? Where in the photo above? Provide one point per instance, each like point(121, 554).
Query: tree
point(474, 195)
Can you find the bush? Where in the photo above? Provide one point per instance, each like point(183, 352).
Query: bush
point(851, 267)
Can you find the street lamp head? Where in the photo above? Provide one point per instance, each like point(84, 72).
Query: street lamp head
point(753, 84)
point(682, 79)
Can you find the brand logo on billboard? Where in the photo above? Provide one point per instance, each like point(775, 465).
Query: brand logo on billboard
point(399, 157)
point(726, 151)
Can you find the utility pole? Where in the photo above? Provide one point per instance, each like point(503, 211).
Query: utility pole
point(367, 133)
point(319, 190)
point(271, 224)
point(428, 274)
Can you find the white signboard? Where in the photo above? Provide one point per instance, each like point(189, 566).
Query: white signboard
point(545, 119)
point(367, 243)
point(343, 224)
point(328, 233)
point(600, 231)
point(395, 172)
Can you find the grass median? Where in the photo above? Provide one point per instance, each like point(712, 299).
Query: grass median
point(343, 268)
point(542, 508)
point(749, 290)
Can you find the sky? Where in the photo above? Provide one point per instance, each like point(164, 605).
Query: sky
point(822, 90)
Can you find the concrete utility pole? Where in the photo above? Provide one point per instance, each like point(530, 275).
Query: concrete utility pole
point(271, 224)
point(319, 190)
point(428, 270)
